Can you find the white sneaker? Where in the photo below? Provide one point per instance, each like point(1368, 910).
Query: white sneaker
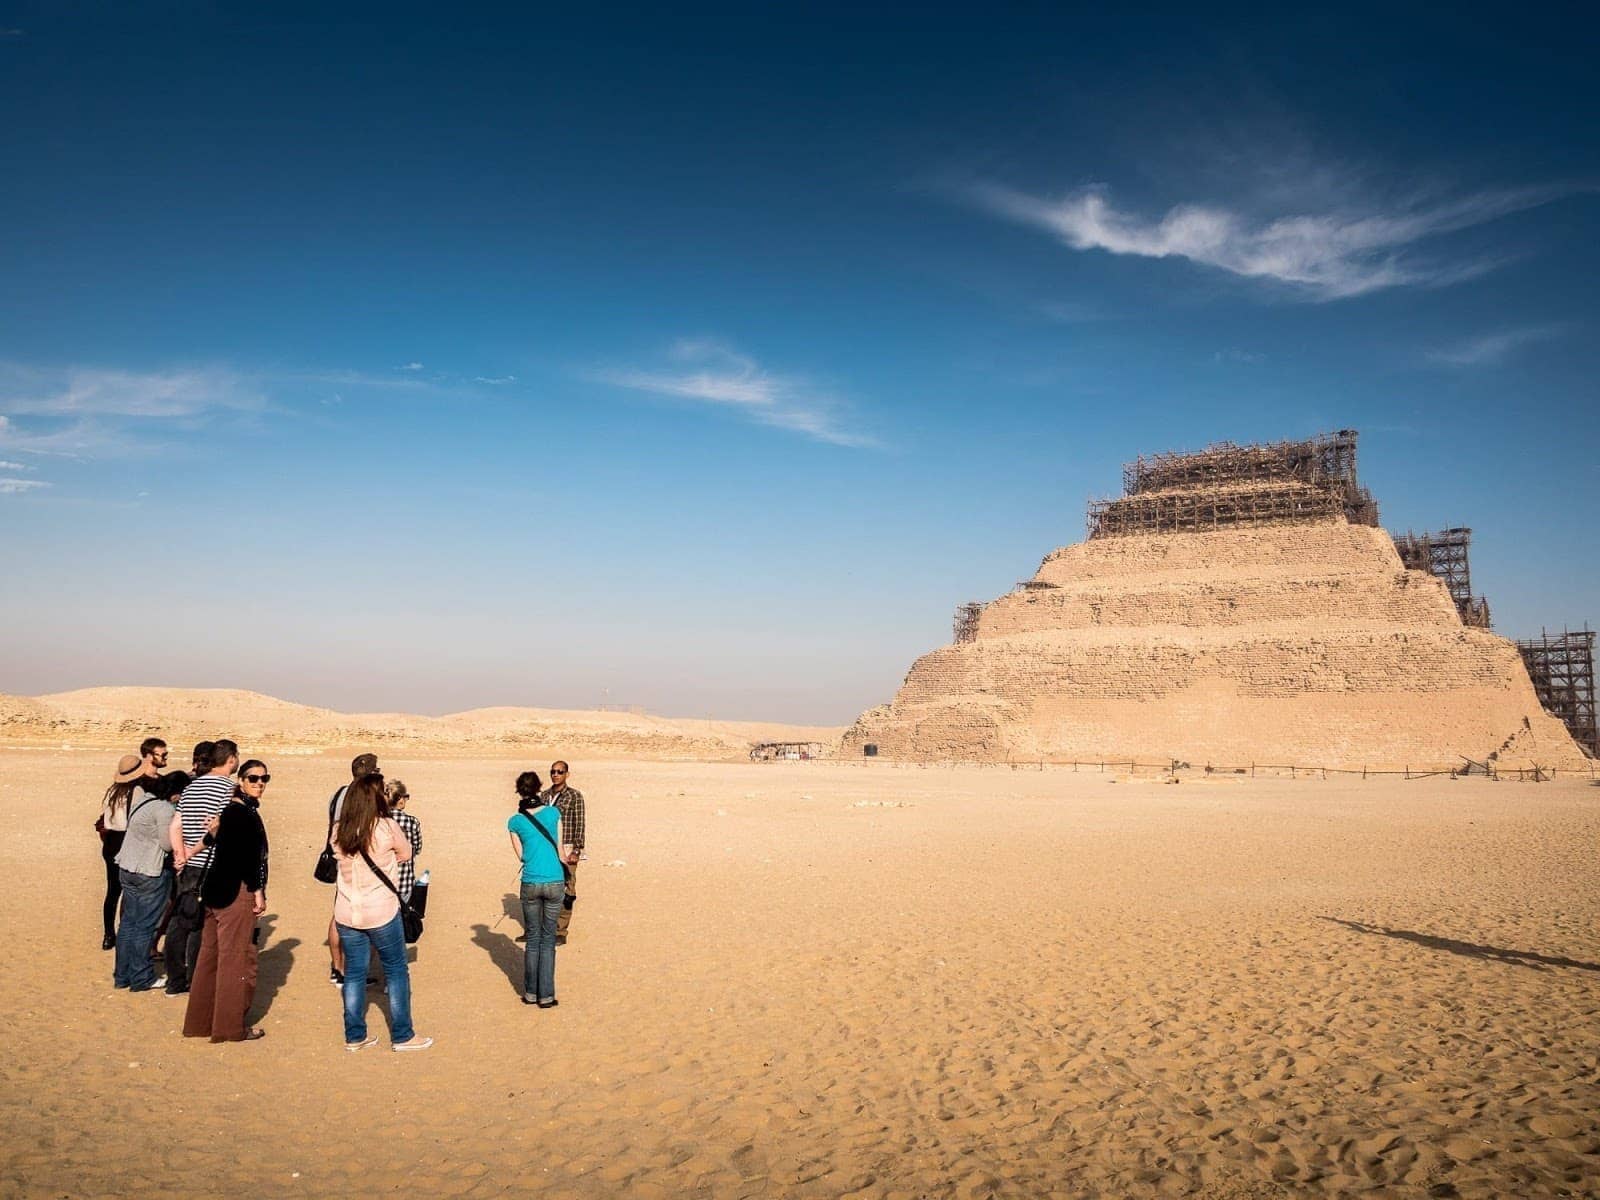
point(415, 1043)
point(354, 1046)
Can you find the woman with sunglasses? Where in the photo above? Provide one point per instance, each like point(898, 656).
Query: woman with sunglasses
point(234, 890)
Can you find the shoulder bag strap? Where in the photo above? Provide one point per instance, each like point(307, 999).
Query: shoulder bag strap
point(332, 805)
point(205, 871)
point(545, 834)
point(367, 858)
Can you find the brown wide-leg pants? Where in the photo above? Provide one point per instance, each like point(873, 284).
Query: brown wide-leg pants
point(224, 984)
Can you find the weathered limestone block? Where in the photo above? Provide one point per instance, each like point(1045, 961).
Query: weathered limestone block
point(1400, 598)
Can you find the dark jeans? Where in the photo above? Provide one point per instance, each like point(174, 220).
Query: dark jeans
point(183, 932)
point(143, 899)
point(390, 942)
point(110, 844)
point(541, 912)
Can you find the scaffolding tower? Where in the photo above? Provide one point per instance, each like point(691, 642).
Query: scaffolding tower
point(1444, 556)
point(1562, 669)
point(1226, 484)
point(966, 622)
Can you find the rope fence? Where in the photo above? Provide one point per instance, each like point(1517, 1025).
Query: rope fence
point(1173, 767)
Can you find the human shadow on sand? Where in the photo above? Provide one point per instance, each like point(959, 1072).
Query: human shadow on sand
point(502, 949)
point(1515, 958)
point(272, 966)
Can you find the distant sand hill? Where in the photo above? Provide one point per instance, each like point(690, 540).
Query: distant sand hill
point(126, 715)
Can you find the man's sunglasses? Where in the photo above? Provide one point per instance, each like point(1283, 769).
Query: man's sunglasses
point(258, 778)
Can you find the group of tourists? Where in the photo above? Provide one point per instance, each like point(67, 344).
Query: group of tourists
point(186, 858)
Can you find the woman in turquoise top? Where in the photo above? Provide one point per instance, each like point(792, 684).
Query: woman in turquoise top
point(535, 839)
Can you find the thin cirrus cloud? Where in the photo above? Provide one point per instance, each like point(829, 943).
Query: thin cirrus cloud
point(95, 412)
point(1333, 255)
point(99, 392)
point(708, 372)
point(20, 487)
point(1492, 349)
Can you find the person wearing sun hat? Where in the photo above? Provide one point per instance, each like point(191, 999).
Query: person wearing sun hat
point(144, 869)
point(112, 826)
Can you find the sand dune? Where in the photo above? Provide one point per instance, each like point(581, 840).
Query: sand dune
point(118, 715)
point(845, 979)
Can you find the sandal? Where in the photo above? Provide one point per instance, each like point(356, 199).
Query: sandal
point(254, 1035)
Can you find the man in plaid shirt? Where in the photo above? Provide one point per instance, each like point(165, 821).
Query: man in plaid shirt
point(412, 828)
point(569, 801)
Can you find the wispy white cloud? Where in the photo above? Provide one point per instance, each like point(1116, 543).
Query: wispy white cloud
point(412, 366)
point(12, 466)
point(1246, 357)
point(1345, 252)
point(93, 391)
point(710, 372)
point(1491, 349)
point(16, 487)
point(354, 379)
point(95, 412)
point(494, 380)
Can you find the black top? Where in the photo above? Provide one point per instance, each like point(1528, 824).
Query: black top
point(240, 857)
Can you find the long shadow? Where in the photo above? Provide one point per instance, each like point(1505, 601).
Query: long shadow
point(507, 955)
point(1515, 958)
point(272, 966)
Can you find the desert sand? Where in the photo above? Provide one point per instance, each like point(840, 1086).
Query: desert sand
point(843, 978)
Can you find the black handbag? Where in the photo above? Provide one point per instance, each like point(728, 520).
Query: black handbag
point(327, 868)
point(410, 918)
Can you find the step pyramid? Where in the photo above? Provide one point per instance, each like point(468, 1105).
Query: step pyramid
point(1239, 606)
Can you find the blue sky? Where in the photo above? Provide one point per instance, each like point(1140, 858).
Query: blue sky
point(705, 359)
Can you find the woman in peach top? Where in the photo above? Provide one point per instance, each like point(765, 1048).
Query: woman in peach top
point(366, 913)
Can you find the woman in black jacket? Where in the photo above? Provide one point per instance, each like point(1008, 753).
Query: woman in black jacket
point(234, 891)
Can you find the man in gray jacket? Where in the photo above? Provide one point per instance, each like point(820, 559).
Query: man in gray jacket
point(144, 865)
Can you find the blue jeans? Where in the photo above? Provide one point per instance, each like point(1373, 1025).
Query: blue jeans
point(144, 898)
point(541, 910)
point(390, 942)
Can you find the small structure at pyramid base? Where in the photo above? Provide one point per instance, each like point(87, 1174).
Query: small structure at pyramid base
point(1294, 641)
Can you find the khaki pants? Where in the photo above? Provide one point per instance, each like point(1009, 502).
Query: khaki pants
point(224, 983)
point(565, 918)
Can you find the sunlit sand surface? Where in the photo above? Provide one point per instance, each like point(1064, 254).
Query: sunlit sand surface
point(827, 979)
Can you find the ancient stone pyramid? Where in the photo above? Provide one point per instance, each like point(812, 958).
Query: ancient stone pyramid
point(1235, 606)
